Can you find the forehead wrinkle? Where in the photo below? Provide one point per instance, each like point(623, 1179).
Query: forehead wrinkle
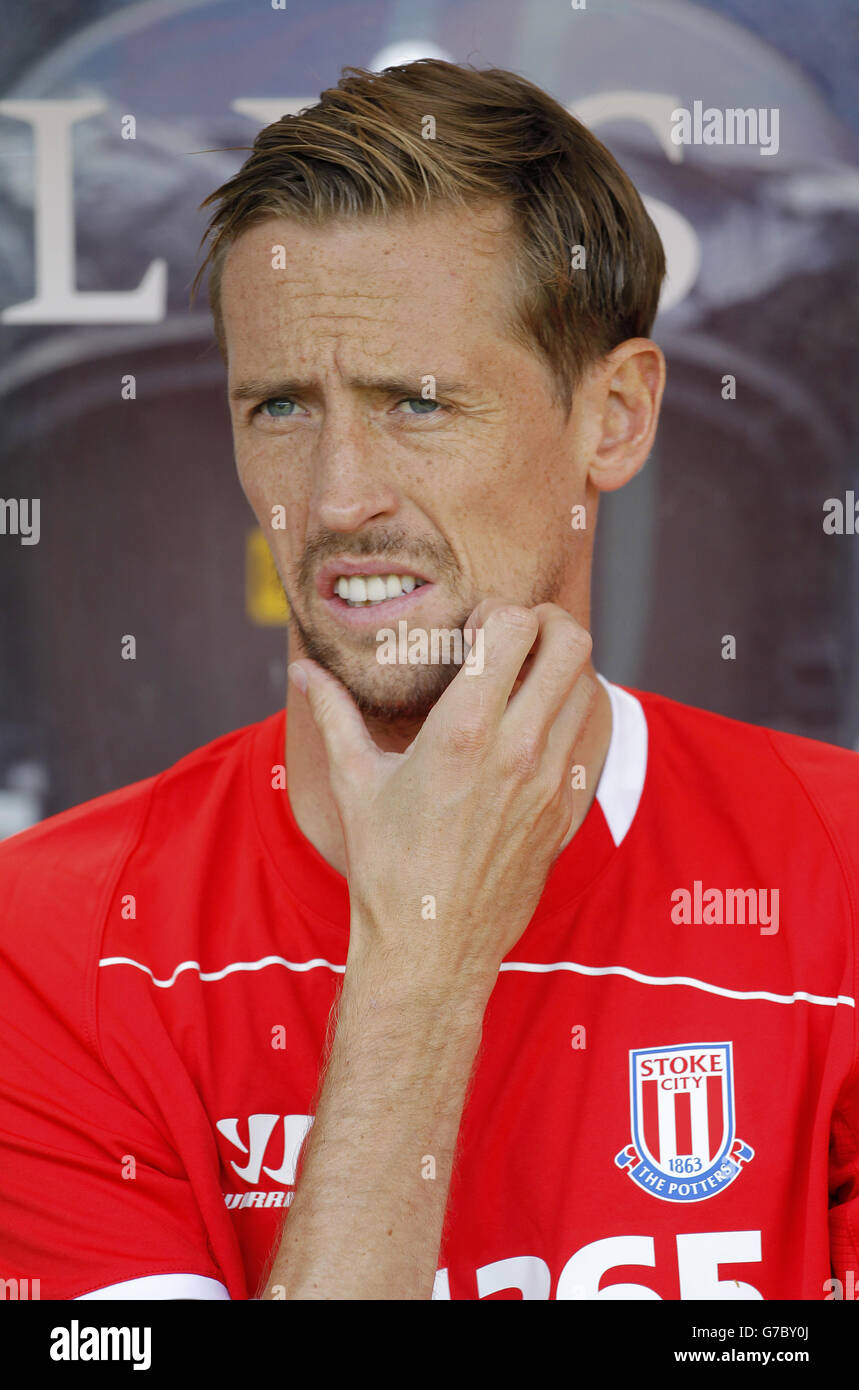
point(382, 310)
point(344, 293)
point(374, 311)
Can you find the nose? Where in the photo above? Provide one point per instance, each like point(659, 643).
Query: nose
point(350, 482)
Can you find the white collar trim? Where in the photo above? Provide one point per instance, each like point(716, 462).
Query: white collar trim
point(622, 780)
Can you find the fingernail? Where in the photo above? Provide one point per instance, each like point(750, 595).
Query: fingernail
point(298, 676)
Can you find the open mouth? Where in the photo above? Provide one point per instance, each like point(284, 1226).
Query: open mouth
point(371, 612)
point(357, 589)
point(367, 590)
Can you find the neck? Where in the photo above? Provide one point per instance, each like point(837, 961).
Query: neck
point(310, 793)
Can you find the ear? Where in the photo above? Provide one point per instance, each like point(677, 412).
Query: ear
point(628, 393)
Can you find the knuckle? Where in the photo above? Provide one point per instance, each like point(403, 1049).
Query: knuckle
point(466, 739)
point(575, 641)
point(515, 616)
point(522, 759)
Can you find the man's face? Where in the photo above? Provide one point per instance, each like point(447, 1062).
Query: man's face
point(465, 482)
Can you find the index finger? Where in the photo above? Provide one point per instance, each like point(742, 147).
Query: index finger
point(502, 634)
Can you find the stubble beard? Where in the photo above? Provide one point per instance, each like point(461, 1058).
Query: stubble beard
point(392, 695)
point(399, 697)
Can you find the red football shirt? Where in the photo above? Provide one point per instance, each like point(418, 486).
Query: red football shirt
point(665, 1102)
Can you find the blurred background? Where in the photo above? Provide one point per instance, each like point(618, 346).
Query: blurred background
point(113, 392)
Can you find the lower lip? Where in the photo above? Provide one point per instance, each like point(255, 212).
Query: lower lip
point(376, 613)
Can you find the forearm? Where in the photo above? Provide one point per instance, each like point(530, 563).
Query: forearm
point(367, 1217)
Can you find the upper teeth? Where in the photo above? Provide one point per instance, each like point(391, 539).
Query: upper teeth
point(373, 588)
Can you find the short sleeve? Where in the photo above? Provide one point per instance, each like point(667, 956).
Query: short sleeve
point(830, 778)
point(92, 1196)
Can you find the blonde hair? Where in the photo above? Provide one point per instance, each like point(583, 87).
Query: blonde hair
point(359, 151)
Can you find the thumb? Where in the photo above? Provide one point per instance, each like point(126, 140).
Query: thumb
point(336, 716)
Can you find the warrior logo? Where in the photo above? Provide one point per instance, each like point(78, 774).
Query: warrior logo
point(684, 1145)
point(260, 1130)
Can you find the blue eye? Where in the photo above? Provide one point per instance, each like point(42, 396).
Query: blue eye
point(277, 408)
point(275, 401)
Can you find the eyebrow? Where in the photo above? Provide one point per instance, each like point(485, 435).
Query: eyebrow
point(284, 388)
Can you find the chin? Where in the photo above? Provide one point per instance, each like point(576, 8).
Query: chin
point(400, 695)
